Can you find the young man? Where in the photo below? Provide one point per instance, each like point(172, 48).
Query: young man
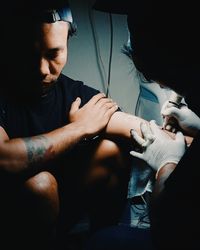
point(52, 166)
point(165, 48)
point(54, 162)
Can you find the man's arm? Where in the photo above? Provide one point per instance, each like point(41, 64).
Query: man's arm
point(121, 123)
point(23, 153)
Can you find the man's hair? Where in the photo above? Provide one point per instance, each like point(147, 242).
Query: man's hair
point(50, 11)
point(19, 26)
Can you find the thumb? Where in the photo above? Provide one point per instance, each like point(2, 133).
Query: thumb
point(75, 105)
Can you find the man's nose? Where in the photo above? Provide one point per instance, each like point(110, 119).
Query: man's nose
point(44, 66)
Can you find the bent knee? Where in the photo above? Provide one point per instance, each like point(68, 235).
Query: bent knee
point(42, 184)
point(110, 163)
point(112, 151)
point(107, 149)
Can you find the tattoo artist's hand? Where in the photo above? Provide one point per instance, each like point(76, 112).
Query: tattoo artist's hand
point(187, 120)
point(94, 115)
point(158, 147)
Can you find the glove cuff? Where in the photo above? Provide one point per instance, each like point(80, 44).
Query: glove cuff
point(163, 165)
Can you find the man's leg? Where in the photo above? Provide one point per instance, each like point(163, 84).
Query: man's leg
point(106, 183)
point(29, 212)
point(93, 182)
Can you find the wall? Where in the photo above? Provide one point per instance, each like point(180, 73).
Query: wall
point(90, 63)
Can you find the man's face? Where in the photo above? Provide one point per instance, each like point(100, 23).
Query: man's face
point(51, 52)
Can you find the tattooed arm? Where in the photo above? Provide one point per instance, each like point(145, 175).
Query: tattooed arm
point(23, 153)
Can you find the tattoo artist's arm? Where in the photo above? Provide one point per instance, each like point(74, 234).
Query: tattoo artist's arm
point(162, 176)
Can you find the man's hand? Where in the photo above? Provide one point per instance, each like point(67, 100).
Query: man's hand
point(94, 115)
point(158, 147)
point(187, 120)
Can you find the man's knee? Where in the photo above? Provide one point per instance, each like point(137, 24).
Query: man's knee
point(110, 163)
point(42, 184)
point(108, 149)
point(42, 193)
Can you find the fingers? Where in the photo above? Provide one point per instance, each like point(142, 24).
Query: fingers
point(136, 154)
point(75, 105)
point(169, 127)
point(101, 101)
point(96, 98)
point(166, 125)
point(106, 102)
point(180, 137)
point(137, 138)
point(146, 130)
point(170, 114)
point(110, 111)
point(172, 111)
point(147, 133)
point(171, 117)
point(107, 106)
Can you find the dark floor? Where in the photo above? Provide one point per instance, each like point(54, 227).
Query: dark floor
point(134, 216)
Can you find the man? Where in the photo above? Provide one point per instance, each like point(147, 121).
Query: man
point(54, 164)
point(165, 48)
point(46, 181)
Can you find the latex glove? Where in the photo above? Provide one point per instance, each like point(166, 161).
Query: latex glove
point(187, 120)
point(158, 147)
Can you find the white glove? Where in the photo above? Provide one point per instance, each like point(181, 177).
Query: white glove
point(187, 120)
point(158, 147)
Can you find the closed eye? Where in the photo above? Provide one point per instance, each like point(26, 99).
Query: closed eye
point(53, 53)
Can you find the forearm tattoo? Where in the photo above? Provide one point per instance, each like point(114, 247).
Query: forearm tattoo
point(38, 149)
